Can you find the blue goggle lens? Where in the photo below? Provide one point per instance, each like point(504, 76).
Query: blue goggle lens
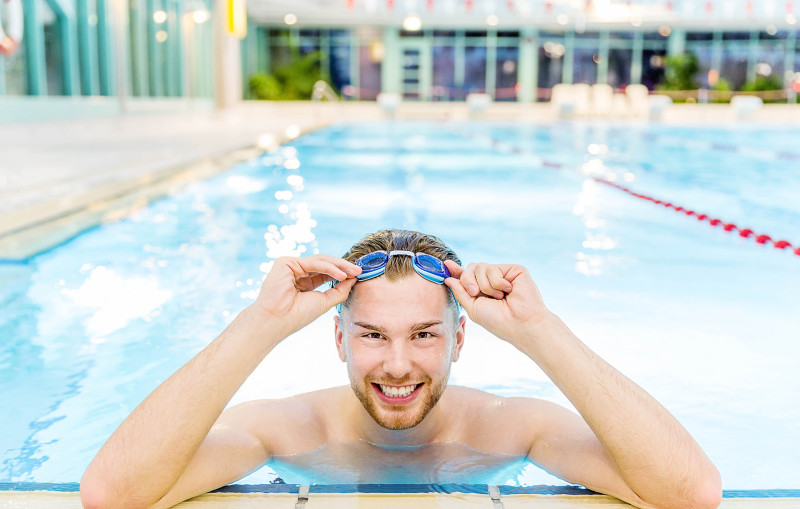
point(373, 261)
point(430, 263)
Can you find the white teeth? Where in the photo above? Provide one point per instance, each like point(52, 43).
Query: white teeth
point(397, 392)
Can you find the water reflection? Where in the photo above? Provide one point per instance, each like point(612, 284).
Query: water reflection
point(361, 462)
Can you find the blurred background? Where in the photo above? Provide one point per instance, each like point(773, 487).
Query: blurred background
point(164, 55)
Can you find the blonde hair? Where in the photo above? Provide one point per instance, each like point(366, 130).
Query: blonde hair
point(399, 267)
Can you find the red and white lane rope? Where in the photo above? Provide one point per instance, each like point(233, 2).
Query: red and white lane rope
point(746, 233)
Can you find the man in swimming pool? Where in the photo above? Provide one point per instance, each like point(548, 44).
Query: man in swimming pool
point(399, 330)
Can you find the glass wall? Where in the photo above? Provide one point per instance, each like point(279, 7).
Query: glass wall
point(54, 30)
point(620, 58)
point(551, 62)
point(700, 44)
point(13, 73)
point(506, 68)
point(459, 62)
point(733, 64)
point(585, 58)
point(70, 48)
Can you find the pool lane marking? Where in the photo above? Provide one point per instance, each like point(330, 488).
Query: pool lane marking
point(494, 494)
point(746, 233)
point(302, 497)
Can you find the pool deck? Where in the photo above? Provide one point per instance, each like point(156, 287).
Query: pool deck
point(44, 499)
point(58, 179)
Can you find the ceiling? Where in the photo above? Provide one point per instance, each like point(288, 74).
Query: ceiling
point(549, 14)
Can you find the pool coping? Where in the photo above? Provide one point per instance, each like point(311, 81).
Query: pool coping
point(379, 496)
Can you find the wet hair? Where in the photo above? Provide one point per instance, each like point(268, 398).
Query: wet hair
point(399, 267)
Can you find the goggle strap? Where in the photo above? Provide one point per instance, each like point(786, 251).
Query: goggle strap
point(405, 253)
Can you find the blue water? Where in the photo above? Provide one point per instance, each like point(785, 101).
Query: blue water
point(704, 320)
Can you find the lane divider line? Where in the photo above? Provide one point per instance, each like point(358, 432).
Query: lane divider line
point(746, 233)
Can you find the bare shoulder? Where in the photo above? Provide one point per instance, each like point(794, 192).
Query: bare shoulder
point(506, 425)
point(287, 425)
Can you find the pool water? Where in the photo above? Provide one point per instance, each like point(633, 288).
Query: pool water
point(703, 319)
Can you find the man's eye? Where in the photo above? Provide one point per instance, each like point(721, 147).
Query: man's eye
point(373, 335)
point(425, 335)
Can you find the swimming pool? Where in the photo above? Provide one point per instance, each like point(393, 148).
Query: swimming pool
point(703, 319)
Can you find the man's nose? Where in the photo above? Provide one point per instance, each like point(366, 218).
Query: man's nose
point(398, 360)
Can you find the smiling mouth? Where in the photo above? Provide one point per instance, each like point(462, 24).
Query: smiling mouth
point(395, 392)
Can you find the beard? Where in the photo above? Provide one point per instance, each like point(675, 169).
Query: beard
point(402, 418)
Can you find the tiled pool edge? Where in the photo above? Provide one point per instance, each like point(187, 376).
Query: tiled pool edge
point(46, 225)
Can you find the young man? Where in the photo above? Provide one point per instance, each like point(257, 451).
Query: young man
point(398, 330)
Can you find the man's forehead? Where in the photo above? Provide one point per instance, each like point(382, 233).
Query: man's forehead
point(412, 295)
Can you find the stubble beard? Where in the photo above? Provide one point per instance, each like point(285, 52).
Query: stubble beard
point(399, 420)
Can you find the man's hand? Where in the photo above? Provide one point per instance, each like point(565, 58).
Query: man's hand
point(501, 298)
point(627, 444)
point(288, 290)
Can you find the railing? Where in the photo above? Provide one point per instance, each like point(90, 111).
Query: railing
point(323, 92)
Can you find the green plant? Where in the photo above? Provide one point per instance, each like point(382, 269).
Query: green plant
point(292, 81)
point(763, 84)
point(265, 87)
point(722, 85)
point(679, 72)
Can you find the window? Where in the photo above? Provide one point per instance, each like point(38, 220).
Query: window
point(444, 88)
point(474, 69)
point(506, 74)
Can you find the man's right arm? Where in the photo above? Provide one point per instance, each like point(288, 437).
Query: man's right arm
point(169, 448)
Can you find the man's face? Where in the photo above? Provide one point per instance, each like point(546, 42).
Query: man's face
point(398, 339)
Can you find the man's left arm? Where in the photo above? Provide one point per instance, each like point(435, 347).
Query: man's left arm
point(633, 448)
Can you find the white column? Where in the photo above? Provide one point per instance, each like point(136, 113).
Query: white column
point(227, 59)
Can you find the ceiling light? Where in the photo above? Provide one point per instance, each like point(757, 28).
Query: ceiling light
point(562, 19)
point(290, 19)
point(200, 16)
point(492, 20)
point(791, 19)
point(412, 23)
point(159, 16)
point(664, 30)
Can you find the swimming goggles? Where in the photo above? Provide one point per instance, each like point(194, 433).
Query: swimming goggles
point(428, 266)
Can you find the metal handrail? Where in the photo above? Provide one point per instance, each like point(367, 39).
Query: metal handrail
point(323, 92)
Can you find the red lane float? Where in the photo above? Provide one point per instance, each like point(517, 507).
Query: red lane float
point(728, 227)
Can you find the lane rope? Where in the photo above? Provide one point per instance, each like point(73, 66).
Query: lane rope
point(746, 233)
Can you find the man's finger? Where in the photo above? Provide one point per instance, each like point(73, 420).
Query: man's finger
point(338, 293)
point(306, 266)
point(351, 268)
point(460, 293)
point(455, 269)
point(468, 280)
point(497, 278)
point(482, 277)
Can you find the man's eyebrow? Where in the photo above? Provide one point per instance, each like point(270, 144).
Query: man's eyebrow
point(425, 325)
point(414, 328)
point(370, 327)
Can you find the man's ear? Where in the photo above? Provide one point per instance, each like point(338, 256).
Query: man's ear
point(338, 334)
point(462, 320)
